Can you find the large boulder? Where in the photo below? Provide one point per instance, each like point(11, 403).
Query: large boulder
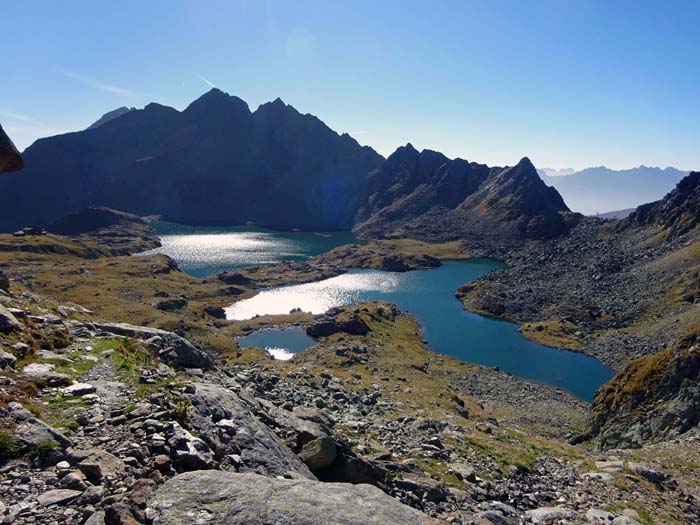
point(251, 499)
point(174, 349)
point(34, 432)
point(8, 322)
point(319, 453)
point(230, 428)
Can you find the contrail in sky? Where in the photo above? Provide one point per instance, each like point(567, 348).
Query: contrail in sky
point(205, 81)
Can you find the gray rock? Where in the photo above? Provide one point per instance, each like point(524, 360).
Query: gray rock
point(33, 432)
point(464, 472)
point(647, 472)
point(57, 497)
point(18, 412)
point(423, 487)
point(4, 282)
point(176, 350)
point(260, 450)
point(98, 518)
point(624, 520)
point(547, 515)
point(79, 389)
point(319, 453)
point(100, 464)
point(8, 322)
point(7, 359)
point(251, 499)
point(43, 373)
point(599, 516)
point(599, 476)
point(188, 451)
point(496, 518)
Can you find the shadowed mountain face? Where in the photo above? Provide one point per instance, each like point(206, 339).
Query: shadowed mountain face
point(678, 212)
point(214, 162)
point(426, 195)
point(10, 159)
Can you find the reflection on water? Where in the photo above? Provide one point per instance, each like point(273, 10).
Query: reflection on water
point(429, 296)
point(281, 344)
point(202, 251)
point(316, 297)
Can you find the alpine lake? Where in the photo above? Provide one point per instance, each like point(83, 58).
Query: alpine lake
point(427, 294)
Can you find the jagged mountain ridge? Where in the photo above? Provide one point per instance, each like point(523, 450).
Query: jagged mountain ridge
point(426, 195)
point(214, 162)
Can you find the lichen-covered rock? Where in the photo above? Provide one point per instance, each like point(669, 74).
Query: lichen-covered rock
point(250, 499)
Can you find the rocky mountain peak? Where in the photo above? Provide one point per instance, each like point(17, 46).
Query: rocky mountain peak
point(111, 115)
point(214, 103)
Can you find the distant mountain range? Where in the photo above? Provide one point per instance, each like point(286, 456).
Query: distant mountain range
point(217, 162)
point(601, 190)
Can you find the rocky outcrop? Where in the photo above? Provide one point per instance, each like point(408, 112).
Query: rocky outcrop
point(426, 195)
point(191, 165)
point(250, 499)
point(677, 213)
point(10, 159)
point(237, 437)
point(337, 320)
point(654, 398)
point(171, 347)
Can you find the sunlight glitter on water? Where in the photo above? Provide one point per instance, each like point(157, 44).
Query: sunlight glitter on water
point(235, 249)
point(281, 354)
point(315, 298)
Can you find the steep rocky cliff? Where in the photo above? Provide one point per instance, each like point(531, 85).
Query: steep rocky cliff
point(654, 398)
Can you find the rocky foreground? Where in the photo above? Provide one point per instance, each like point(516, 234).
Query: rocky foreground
point(117, 423)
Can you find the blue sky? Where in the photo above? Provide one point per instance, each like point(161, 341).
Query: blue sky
point(567, 83)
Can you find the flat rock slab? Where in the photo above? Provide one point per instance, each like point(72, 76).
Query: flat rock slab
point(79, 389)
point(57, 497)
point(550, 515)
point(33, 432)
point(236, 499)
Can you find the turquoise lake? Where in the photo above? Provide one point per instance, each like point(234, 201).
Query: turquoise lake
point(427, 294)
point(447, 327)
point(204, 250)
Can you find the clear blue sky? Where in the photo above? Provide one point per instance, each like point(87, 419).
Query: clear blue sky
point(568, 83)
